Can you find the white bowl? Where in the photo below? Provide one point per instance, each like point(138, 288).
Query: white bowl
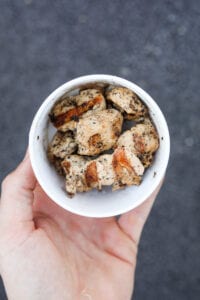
point(94, 203)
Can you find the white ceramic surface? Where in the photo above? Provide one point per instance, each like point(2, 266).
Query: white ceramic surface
point(95, 204)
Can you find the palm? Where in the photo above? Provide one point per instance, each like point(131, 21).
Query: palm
point(96, 251)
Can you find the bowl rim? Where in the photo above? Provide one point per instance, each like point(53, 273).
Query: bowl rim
point(84, 80)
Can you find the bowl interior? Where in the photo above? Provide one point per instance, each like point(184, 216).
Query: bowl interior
point(95, 203)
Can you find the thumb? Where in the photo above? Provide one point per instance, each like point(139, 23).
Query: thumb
point(17, 193)
point(133, 221)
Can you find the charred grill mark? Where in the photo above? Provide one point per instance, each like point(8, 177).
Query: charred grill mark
point(120, 162)
point(74, 118)
point(74, 113)
point(91, 175)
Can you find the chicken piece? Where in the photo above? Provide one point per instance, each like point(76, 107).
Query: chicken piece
point(66, 112)
point(142, 140)
point(146, 141)
point(145, 137)
point(74, 167)
point(62, 144)
point(127, 167)
point(98, 132)
point(81, 174)
point(60, 109)
point(127, 102)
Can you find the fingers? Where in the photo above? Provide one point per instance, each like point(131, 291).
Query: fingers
point(133, 221)
point(17, 193)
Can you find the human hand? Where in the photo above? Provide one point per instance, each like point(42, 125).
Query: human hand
point(49, 253)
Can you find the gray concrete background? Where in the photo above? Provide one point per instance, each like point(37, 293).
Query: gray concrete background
point(153, 43)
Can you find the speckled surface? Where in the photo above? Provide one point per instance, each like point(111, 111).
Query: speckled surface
point(156, 45)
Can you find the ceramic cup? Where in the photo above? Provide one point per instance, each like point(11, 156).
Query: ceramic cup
point(94, 203)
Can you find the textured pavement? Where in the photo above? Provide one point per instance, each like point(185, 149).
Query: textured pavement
point(152, 43)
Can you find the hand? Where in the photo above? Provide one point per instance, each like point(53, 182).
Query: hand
point(49, 253)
